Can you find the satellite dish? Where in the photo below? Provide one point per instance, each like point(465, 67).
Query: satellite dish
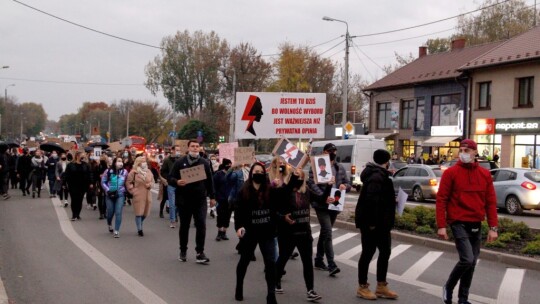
point(126, 142)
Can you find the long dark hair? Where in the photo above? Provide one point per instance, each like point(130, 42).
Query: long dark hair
point(248, 191)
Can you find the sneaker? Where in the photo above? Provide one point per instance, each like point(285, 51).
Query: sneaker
point(320, 266)
point(278, 289)
point(140, 233)
point(73, 219)
point(364, 292)
point(161, 215)
point(65, 204)
point(111, 229)
point(333, 271)
point(202, 259)
point(313, 296)
point(446, 295)
point(383, 291)
point(88, 207)
point(116, 234)
point(218, 237)
point(78, 218)
point(182, 256)
point(294, 255)
point(167, 209)
point(95, 207)
point(173, 225)
point(464, 302)
point(224, 236)
point(101, 216)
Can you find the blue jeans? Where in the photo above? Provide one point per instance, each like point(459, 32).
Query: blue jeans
point(326, 218)
point(114, 208)
point(172, 206)
point(468, 238)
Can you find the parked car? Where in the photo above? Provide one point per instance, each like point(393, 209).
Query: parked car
point(396, 165)
point(517, 189)
point(488, 164)
point(419, 181)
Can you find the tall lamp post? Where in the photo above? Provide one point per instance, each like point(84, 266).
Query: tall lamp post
point(5, 102)
point(346, 76)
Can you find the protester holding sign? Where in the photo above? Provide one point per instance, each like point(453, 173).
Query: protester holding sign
point(191, 199)
point(325, 216)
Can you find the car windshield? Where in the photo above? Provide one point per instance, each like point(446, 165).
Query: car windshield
point(438, 172)
point(534, 176)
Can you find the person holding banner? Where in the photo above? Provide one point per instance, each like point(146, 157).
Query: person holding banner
point(325, 216)
point(190, 197)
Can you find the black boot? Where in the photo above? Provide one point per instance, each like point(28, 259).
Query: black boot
point(271, 298)
point(161, 214)
point(239, 295)
point(218, 237)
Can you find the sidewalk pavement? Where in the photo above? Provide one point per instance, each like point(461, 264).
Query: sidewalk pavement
point(345, 221)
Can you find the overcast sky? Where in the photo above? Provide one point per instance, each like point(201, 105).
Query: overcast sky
point(45, 54)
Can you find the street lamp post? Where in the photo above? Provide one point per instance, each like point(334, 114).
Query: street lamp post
point(5, 102)
point(346, 76)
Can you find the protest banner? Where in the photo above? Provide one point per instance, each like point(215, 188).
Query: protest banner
point(182, 144)
point(54, 140)
point(319, 164)
point(226, 150)
point(115, 146)
point(290, 153)
point(339, 199)
point(272, 115)
point(193, 174)
point(244, 155)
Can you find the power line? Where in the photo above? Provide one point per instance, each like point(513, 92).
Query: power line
point(404, 39)
point(429, 23)
point(89, 28)
point(331, 48)
point(73, 82)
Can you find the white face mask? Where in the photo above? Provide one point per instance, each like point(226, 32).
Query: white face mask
point(119, 165)
point(194, 154)
point(144, 166)
point(465, 157)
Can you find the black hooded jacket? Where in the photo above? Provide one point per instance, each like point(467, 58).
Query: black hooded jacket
point(376, 205)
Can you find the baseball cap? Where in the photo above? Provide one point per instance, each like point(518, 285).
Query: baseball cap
point(468, 143)
point(329, 147)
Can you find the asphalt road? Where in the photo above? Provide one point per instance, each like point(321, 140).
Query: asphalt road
point(531, 218)
point(45, 258)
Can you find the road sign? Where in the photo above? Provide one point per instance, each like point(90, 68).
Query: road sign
point(172, 134)
point(349, 127)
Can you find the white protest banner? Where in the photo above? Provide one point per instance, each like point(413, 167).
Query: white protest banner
point(272, 115)
point(226, 150)
point(97, 152)
point(339, 199)
point(320, 163)
point(244, 155)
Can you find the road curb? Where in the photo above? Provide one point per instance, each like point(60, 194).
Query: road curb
point(485, 254)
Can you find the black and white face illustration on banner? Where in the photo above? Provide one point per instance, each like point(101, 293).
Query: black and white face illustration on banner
point(252, 112)
point(290, 153)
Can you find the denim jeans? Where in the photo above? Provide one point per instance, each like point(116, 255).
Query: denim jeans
point(172, 206)
point(52, 191)
point(468, 240)
point(114, 208)
point(326, 218)
point(196, 208)
point(371, 241)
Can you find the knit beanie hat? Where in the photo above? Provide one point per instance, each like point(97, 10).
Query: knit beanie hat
point(381, 156)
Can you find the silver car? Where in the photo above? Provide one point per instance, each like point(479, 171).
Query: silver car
point(517, 189)
point(419, 181)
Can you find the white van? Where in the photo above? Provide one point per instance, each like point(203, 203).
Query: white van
point(353, 154)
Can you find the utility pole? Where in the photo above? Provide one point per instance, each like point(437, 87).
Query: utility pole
point(173, 117)
point(20, 135)
point(127, 126)
point(233, 109)
point(109, 131)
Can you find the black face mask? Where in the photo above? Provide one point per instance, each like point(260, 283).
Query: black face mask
point(258, 178)
point(282, 168)
point(332, 156)
point(298, 183)
point(63, 158)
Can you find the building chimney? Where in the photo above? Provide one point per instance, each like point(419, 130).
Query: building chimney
point(458, 44)
point(422, 51)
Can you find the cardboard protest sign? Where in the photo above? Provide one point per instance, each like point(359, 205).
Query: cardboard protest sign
point(272, 115)
point(244, 155)
point(226, 150)
point(322, 168)
point(193, 174)
point(290, 153)
point(183, 144)
point(54, 140)
point(32, 144)
point(66, 145)
point(115, 146)
point(339, 199)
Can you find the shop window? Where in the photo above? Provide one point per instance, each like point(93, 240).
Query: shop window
point(407, 112)
point(484, 95)
point(383, 115)
point(420, 105)
point(525, 92)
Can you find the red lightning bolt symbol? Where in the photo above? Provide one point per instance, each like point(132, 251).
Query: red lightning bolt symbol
point(249, 106)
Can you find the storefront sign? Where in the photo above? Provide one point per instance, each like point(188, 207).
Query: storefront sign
point(446, 131)
point(517, 126)
point(485, 126)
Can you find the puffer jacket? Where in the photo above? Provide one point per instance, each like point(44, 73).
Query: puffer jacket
point(466, 194)
point(318, 189)
point(376, 205)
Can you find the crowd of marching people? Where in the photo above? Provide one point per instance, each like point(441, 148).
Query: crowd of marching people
point(271, 203)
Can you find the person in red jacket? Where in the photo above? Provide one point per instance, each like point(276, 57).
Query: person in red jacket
point(466, 195)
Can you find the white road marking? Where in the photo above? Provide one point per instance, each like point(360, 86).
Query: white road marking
point(510, 286)
point(313, 225)
point(135, 287)
point(349, 253)
point(339, 239)
point(3, 294)
point(399, 249)
point(421, 265)
point(316, 234)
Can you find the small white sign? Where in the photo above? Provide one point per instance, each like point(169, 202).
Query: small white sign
point(97, 152)
point(339, 197)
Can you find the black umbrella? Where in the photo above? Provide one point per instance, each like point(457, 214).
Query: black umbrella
point(13, 145)
point(98, 144)
point(49, 147)
point(88, 149)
